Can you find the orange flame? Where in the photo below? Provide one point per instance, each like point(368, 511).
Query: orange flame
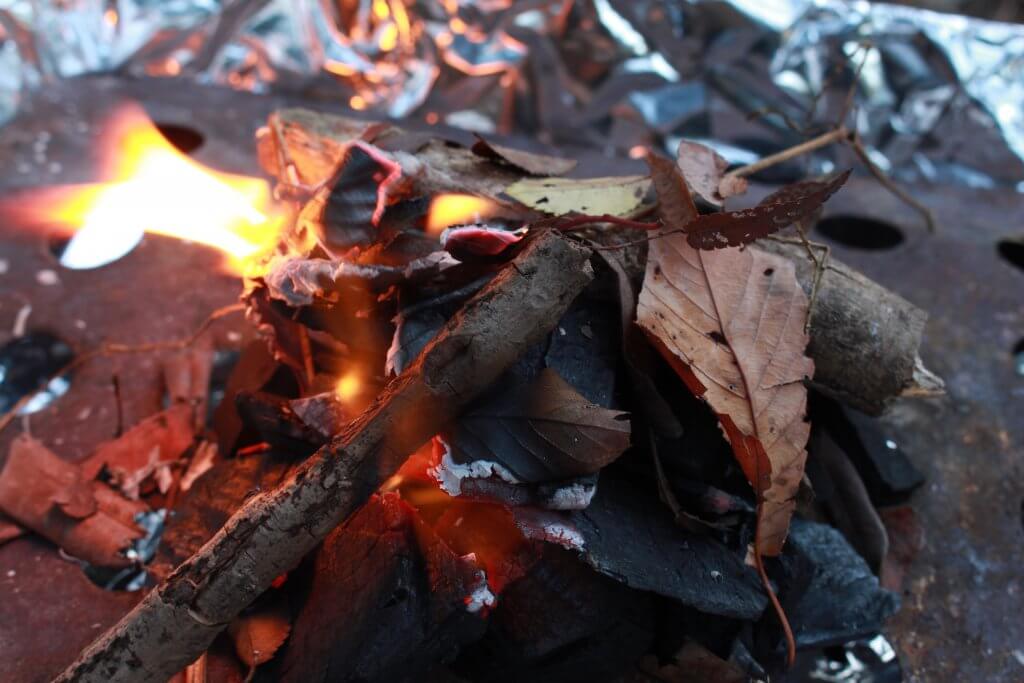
point(447, 210)
point(153, 188)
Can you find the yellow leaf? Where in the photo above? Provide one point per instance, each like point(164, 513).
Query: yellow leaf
point(616, 196)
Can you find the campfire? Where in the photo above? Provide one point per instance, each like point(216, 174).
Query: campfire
point(502, 419)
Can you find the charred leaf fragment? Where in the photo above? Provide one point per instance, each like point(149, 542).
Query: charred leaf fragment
point(363, 185)
point(417, 323)
point(775, 212)
point(304, 281)
point(209, 503)
point(275, 419)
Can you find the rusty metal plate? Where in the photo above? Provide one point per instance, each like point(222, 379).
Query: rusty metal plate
point(961, 614)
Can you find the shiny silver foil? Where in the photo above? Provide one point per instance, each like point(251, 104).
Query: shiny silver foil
point(938, 98)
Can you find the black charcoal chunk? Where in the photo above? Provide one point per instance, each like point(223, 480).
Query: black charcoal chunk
point(840, 599)
point(562, 622)
point(388, 601)
point(629, 535)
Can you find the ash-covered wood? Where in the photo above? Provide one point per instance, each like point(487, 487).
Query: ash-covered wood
point(177, 621)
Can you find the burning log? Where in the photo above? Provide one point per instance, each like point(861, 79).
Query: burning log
point(864, 339)
point(178, 620)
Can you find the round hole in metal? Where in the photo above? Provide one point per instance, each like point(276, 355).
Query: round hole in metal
point(185, 139)
point(1012, 251)
point(26, 364)
point(858, 232)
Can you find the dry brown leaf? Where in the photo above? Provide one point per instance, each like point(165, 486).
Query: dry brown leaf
point(531, 162)
point(143, 450)
point(782, 208)
point(259, 635)
point(614, 196)
point(731, 322)
point(201, 462)
point(53, 498)
point(704, 170)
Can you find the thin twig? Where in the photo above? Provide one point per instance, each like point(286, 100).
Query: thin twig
point(822, 140)
point(852, 92)
point(116, 349)
point(858, 147)
point(819, 269)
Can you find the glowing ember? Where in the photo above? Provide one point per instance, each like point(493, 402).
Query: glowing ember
point(153, 188)
point(349, 387)
point(447, 210)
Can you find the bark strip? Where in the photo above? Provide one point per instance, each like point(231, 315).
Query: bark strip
point(178, 620)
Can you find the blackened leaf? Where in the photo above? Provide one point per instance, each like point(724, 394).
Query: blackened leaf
point(276, 325)
point(364, 183)
point(534, 164)
point(325, 413)
point(416, 324)
point(301, 281)
point(584, 349)
point(544, 430)
point(778, 210)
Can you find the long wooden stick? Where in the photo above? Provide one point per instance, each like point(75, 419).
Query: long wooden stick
point(178, 620)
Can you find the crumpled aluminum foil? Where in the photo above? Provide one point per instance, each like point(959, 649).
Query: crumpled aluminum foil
point(940, 97)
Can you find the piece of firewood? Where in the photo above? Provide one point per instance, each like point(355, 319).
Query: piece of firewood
point(179, 619)
point(864, 338)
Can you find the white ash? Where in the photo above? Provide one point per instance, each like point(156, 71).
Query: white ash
point(449, 474)
point(480, 595)
point(545, 525)
point(576, 496)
